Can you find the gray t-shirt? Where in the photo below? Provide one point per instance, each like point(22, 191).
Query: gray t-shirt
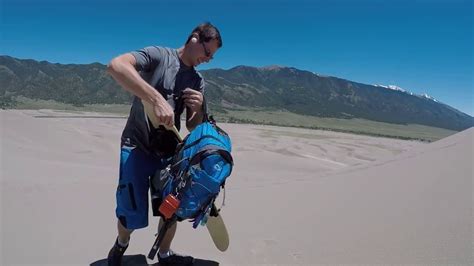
point(162, 69)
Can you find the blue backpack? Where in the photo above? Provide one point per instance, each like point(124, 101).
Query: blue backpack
point(197, 172)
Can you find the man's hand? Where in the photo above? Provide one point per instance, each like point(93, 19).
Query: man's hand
point(194, 114)
point(163, 112)
point(193, 99)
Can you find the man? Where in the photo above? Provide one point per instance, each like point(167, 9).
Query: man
point(167, 80)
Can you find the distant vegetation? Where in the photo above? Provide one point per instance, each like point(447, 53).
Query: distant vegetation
point(356, 125)
point(274, 95)
point(26, 103)
point(276, 118)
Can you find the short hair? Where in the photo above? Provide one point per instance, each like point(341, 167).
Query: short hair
point(207, 32)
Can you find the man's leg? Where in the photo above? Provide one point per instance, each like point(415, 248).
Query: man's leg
point(168, 238)
point(114, 258)
point(123, 234)
point(165, 255)
point(132, 198)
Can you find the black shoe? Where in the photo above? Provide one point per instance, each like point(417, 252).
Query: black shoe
point(115, 254)
point(175, 259)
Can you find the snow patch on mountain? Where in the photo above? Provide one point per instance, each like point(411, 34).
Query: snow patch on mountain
point(396, 88)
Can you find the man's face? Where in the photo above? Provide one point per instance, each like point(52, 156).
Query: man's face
point(204, 52)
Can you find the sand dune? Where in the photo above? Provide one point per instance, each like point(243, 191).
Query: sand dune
point(295, 197)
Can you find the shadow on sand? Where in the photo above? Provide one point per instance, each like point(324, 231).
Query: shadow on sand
point(140, 260)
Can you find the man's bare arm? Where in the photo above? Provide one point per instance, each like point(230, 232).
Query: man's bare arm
point(122, 69)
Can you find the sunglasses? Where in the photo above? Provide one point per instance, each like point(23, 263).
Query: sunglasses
point(206, 51)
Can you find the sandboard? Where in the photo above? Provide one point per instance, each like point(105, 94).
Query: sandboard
point(218, 232)
point(140, 260)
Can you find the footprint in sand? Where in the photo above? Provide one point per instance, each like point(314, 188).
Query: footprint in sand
point(296, 256)
point(260, 247)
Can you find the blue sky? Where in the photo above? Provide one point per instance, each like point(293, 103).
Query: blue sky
point(422, 46)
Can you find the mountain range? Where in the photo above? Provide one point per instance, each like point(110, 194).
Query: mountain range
point(242, 87)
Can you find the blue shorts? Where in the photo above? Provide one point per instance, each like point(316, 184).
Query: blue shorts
point(136, 167)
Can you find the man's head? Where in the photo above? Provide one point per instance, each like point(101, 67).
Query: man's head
point(203, 43)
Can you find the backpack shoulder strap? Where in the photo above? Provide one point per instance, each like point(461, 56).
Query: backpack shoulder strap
point(210, 150)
